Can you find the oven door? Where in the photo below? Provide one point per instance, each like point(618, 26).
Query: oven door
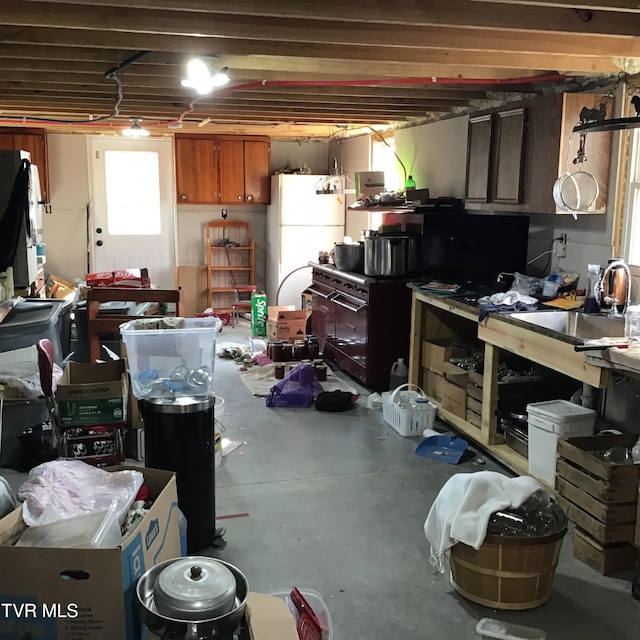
point(351, 326)
point(323, 317)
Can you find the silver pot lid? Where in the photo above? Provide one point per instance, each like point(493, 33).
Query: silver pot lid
point(195, 588)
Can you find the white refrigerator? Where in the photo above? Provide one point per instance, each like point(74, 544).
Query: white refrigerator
point(300, 224)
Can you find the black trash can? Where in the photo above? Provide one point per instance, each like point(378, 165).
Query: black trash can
point(179, 437)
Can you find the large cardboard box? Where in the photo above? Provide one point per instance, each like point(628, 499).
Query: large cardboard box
point(85, 593)
point(431, 384)
point(286, 323)
point(435, 353)
point(93, 393)
point(192, 279)
point(269, 618)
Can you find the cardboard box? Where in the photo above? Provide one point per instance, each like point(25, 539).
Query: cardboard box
point(269, 618)
point(286, 323)
point(93, 393)
point(453, 398)
point(431, 384)
point(192, 279)
point(435, 353)
point(98, 595)
point(455, 374)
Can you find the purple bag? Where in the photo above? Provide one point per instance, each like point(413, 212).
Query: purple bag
point(297, 389)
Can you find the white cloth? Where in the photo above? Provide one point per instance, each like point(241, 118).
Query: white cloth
point(509, 298)
point(461, 511)
point(7, 499)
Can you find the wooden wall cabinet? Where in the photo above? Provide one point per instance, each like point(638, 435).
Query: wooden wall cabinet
point(222, 169)
point(531, 144)
point(35, 142)
point(244, 170)
point(196, 170)
point(495, 157)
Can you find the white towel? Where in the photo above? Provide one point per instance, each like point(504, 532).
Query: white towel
point(461, 511)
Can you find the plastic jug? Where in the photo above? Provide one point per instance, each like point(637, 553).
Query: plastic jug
point(399, 374)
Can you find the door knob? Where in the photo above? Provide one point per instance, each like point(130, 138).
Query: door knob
point(183, 196)
point(99, 243)
point(239, 197)
point(249, 198)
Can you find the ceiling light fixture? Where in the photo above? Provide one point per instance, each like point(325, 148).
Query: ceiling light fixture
point(135, 130)
point(202, 77)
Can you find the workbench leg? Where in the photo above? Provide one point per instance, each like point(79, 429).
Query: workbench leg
point(415, 349)
point(488, 433)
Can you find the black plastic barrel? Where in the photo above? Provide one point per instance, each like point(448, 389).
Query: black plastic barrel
point(179, 437)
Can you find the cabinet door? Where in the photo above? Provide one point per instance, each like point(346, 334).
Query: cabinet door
point(508, 156)
point(478, 158)
point(6, 142)
point(232, 171)
point(256, 171)
point(196, 171)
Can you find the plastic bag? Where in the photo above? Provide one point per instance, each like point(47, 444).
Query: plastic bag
point(297, 389)
point(66, 488)
point(526, 285)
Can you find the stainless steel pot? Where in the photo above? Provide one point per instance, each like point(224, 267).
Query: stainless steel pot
point(177, 603)
point(391, 255)
point(349, 257)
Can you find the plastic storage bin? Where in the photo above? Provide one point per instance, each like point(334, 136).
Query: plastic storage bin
point(316, 602)
point(401, 412)
point(549, 421)
point(97, 530)
point(171, 362)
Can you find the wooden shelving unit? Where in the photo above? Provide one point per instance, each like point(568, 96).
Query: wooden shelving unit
point(230, 261)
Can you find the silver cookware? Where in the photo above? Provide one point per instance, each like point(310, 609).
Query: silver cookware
point(349, 257)
point(192, 598)
point(391, 255)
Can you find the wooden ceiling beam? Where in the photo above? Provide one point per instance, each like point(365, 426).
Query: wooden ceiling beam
point(407, 46)
point(282, 66)
point(630, 6)
point(413, 13)
point(374, 97)
point(268, 99)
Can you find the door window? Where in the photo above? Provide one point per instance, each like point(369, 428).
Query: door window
point(133, 193)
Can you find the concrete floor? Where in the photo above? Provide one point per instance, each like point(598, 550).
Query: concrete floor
point(337, 503)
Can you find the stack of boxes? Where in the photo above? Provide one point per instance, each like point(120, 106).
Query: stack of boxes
point(92, 411)
point(443, 381)
point(601, 497)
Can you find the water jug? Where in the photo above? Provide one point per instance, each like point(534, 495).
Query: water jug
point(399, 374)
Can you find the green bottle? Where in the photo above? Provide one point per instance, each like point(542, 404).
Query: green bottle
point(410, 183)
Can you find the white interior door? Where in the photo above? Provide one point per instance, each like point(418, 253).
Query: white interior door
point(132, 211)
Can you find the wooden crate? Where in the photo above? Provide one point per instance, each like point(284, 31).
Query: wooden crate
point(607, 559)
point(600, 497)
point(474, 418)
point(474, 405)
point(476, 378)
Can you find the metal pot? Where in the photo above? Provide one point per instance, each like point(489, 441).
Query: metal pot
point(391, 255)
point(349, 257)
point(193, 598)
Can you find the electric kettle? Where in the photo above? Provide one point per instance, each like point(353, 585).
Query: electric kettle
point(615, 285)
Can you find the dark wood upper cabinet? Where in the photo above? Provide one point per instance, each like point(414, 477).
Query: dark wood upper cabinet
point(478, 158)
point(257, 161)
point(196, 170)
point(35, 142)
point(508, 156)
point(532, 143)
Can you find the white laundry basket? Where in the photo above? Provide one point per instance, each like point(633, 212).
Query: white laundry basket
point(399, 411)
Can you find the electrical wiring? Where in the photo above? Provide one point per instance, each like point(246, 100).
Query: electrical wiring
point(544, 253)
point(377, 133)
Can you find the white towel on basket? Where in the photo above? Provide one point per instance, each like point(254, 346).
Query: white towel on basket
point(461, 511)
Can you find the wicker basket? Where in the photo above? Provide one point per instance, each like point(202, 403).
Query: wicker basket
point(507, 572)
point(407, 422)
